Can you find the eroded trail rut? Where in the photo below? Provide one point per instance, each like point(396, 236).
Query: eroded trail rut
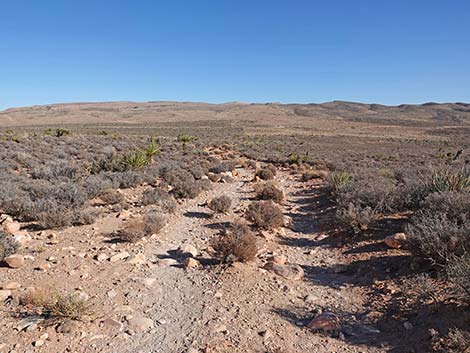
point(244, 308)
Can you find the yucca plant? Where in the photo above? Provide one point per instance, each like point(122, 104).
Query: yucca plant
point(137, 159)
point(185, 138)
point(448, 180)
point(339, 180)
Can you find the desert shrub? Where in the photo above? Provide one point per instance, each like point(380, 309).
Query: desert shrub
point(111, 197)
point(183, 183)
point(159, 198)
point(339, 180)
point(437, 236)
point(154, 222)
point(269, 191)
point(456, 205)
point(310, 174)
point(185, 138)
point(355, 217)
point(132, 231)
point(220, 204)
point(456, 341)
point(62, 132)
point(265, 174)
point(225, 166)
point(265, 214)
point(58, 306)
point(458, 271)
point(422, 288)
point(204, 184)
point(8, 246)
point(236, 243)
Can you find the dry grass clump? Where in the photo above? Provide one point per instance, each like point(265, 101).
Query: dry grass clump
point(58, 306)
point(8, 246)
point(132, 231)
point(456, 341)
point(220, 204)
point(159, 198)
point(154, 222)
point(137, 228)
point(269, 191)
point(458, 271)
point(265, 214)
point(266, 173)
point(236, 243)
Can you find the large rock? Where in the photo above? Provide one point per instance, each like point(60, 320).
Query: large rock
point(11, 226)
point(14, 261)
point(292, 272)
point(189, 262)
point(139, 323)
point(326, 321)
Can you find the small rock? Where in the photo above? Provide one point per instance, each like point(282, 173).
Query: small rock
point(21, 238)
point(138, 259)
point(68, 327)
point(148, 282)
point(10, 285)
point(119, 256)
point(278, 259)
point(101, 257)
point(187, 250)
point(14, 261)
point(408, 325)
point(189, 262)
point(267, 334)
point(112, 323)
point(167, 262)
point(396, 241)
point(326, 321)
point(4, 294)
point(310, 299)
point(29, 324)
point(220, 328)
point(11, 226)
point(44, 267)
point(292, 272)
point(38, 343)
point(140, 323)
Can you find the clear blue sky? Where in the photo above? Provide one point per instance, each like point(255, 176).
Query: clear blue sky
point(397, 51)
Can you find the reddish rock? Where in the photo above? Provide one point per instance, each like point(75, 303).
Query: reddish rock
point(396, 241)
point(326, 322)
point(14, 261)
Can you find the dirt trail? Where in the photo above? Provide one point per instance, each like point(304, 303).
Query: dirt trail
point(242, 308)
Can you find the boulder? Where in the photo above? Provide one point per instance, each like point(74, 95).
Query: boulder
point(190, 262)
point(14, 261)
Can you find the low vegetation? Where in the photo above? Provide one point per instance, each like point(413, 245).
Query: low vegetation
point(236, 243)
point(8, 246)
point(220, 204)
point(269, 191)
point(265, 214)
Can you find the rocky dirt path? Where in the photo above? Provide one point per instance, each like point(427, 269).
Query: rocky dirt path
point(149, 303)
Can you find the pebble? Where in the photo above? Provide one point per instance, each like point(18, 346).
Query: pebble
point(10, 285)
point(138, 259)
point(119, 256)
point(101, 257)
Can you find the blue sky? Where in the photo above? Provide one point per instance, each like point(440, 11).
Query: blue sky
point(387, 52)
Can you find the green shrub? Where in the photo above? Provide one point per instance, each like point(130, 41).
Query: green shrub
point(339, 181)
point(8, 246)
